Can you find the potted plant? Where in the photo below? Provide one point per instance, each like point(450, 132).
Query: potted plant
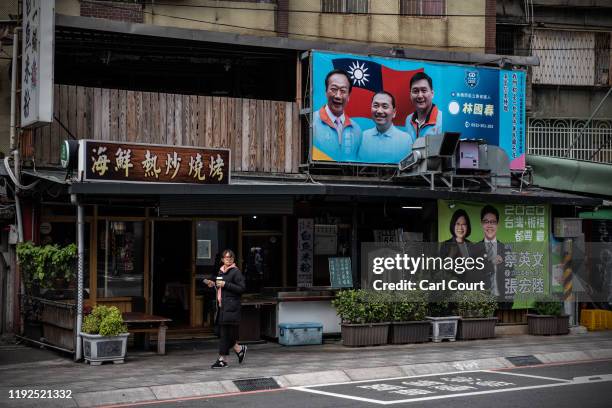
point(408, 324)
point(443, 321)
point(549, 318)
point(476, 309)
point(364, 315)
point(104, 336)
point(46, 272)
point(46, 267)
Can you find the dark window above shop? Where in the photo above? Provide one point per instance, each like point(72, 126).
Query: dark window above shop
point(160, 64)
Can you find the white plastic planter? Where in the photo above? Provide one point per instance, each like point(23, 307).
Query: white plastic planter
point(97, 348)
point(443, 328)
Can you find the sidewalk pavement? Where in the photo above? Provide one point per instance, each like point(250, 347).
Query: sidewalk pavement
point(185, 370)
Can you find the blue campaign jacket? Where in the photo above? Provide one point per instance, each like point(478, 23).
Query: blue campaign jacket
point(432, 126)
point(325, 146)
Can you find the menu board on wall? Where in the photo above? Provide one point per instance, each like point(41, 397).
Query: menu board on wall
point(340, 272)
point(305, 242)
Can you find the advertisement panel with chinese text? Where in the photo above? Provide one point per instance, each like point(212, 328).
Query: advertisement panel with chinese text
point(372, 109)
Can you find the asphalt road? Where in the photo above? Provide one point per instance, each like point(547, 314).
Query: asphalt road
point(583, 385)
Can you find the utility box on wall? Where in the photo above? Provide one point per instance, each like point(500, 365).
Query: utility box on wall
point(568, 227)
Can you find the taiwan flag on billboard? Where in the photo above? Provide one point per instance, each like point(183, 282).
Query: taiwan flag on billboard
point(369, 77)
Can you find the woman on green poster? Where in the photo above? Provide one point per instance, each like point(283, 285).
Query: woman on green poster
point(460, 228)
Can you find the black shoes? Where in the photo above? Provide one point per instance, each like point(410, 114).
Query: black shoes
point(219, 364)
point(241, 354)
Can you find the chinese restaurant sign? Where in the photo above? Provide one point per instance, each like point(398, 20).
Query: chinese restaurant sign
point(37, 62)
point(115, 161)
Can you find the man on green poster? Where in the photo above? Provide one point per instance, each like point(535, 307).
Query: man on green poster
point(492, 249)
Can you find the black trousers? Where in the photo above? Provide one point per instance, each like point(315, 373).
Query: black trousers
point(228, 336)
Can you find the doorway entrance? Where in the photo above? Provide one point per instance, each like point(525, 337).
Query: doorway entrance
point(172, 254)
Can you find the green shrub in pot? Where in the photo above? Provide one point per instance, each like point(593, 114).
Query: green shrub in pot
point(408, 306)
point(472, 303)
point(364, 315)
point(105, 321)
point(359, 306)
point(548, 306)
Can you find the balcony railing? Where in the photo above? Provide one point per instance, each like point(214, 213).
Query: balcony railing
point(554, 138)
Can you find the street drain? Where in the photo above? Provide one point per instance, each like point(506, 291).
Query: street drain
point(521, 361)
point(256, 384)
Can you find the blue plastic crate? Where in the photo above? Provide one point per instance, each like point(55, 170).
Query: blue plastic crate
point(300, 334)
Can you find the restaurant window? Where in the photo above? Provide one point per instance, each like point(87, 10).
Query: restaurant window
point(120, 258)
point(424, 8)
point(345, 6)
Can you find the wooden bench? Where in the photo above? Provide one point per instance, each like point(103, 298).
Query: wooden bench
point(138, 322)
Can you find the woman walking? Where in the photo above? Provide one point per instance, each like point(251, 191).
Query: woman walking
point(229, 285)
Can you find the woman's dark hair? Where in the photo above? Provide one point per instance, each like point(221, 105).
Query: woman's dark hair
point(455, 217)
point(227, 252)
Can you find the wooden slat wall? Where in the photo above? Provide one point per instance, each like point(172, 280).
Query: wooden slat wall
point(263, 135)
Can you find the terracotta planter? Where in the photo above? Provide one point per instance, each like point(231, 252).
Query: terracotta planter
point(409, 332)
point(471, 328)
point(546, 325)
point(443, 328)
point(371, 334)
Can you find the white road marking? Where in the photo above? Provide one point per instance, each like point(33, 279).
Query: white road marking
point(592, 378)
point(394, 378)
point(333, 394)
point(528, 375)
point(559, 383)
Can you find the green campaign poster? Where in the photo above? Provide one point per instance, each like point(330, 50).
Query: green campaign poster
point(520, 235)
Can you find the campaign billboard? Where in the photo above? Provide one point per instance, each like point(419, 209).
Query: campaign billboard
point(354, 123)
point(513, 239)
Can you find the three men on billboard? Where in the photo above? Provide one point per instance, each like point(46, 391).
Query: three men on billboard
point(338, 138)
point(426, 119)
point(384, 143)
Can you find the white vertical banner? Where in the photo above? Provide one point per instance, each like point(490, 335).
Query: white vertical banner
point(305, 241)
point(38, 38)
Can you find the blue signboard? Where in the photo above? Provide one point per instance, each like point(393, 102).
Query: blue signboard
point(354, 123)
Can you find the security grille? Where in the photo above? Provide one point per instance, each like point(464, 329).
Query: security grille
point(571, 57)
point(428, 8)
point(553, 137)
point(345, 6)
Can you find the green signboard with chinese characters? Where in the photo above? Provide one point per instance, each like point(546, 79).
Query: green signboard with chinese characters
point(340, 272)
point(130, 162)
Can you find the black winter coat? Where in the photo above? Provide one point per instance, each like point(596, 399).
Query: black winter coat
point(229, 312)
